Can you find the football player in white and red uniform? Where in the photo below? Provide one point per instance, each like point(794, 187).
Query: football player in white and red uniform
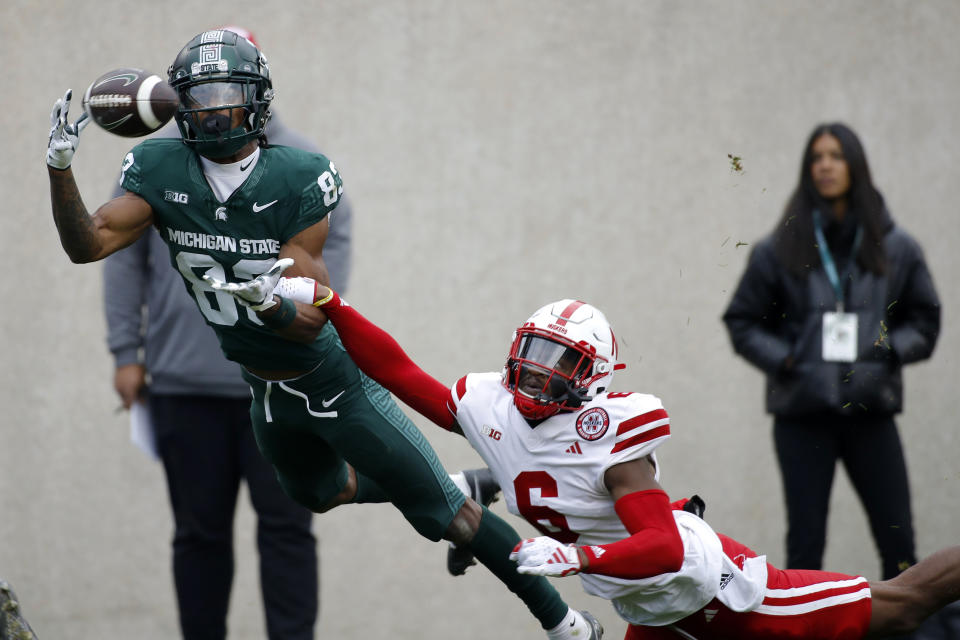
point(579, 463)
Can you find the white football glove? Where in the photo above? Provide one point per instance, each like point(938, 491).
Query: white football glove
point(545, 556)
point(257, 293)
point(64, 137)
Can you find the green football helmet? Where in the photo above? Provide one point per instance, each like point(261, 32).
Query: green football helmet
point(216, 74)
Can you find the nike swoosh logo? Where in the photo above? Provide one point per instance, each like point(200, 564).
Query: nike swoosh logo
point(327, 403)
point(243, 167)
point(258, 208)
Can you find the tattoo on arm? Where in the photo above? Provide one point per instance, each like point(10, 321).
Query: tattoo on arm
point(74, 224)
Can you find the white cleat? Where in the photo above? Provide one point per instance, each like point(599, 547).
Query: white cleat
point(596, 629)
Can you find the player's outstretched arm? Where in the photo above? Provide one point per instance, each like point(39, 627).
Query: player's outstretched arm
point(306, 251)
point(257, 294)
point(373, 350)
point(289, 316)
point(383, 359)
point(654, 546)
point(86, 238)
point(900, 604)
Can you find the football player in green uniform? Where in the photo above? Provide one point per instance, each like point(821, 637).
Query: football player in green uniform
point(232, 209)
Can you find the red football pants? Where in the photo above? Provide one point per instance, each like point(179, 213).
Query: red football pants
point(798, 605)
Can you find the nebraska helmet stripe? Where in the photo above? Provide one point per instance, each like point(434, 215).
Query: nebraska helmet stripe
point(567, 313)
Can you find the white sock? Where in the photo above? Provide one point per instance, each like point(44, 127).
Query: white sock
point(461, 481)
point(572, 627)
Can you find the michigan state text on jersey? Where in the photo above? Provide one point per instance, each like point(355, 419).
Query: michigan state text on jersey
point(287, 191)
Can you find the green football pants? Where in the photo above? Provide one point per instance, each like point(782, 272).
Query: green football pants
point(308, 427)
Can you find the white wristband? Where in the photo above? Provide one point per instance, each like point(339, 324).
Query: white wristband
point(298, 289)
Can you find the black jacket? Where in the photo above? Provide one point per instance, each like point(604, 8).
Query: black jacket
point(775, 313)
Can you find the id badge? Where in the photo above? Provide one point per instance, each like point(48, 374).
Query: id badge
point(839, 336)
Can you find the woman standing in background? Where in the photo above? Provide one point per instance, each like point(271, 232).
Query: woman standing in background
point(831, 305)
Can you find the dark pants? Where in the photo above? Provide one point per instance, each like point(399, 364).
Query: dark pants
point(870, 449)
point(207, 447)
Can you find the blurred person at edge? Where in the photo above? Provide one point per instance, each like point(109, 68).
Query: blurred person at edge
point(832, 304)
point(167, 356)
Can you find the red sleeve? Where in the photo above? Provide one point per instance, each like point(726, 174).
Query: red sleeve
point(381, 357)
point(653, 548)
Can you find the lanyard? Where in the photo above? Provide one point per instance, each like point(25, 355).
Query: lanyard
point(828, 264)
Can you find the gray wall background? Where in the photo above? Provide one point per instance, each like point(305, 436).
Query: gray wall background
point(499, 155)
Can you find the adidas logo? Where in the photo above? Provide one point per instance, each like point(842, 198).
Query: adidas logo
point(725, 579)
point(709, 613)
point(574, 448)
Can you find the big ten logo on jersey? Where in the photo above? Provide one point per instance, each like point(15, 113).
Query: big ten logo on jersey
point(593, 423)
point(490, 432)
point(176, 196)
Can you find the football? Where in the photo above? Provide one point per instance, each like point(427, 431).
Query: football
point(130, 102)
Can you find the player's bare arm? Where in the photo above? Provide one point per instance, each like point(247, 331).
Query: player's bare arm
point(628, 477)
point(86, 238)
point(901, 603)
point(289, 316)
point(306, 251)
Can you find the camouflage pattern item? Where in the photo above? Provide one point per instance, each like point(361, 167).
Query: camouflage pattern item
point(13, 626)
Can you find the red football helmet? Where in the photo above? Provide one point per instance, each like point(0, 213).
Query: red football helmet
point(242, 31)
point(561, 357)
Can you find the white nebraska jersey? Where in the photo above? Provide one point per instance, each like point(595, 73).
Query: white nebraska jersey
point(552, 475)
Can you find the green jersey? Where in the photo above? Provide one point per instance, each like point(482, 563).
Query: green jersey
point(287, 191)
